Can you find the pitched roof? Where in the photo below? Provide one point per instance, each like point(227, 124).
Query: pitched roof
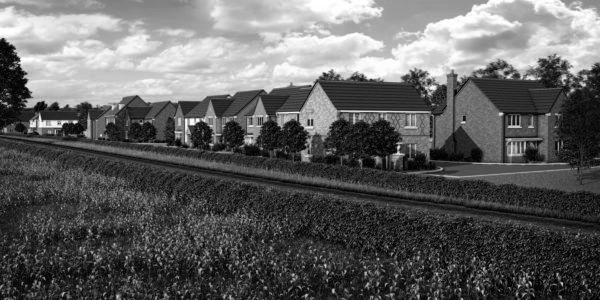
point(199, 111)
point(438, 109)
point(58, 115)
point(25, 115)
point(95, 113)
point(240, 100)
point(128, 99)
point(220, 105)
point(187, 106)
point(373, 96)
point(517, 96)
point(296, 100)
point(288, 90)
point(272, 103)
point(156, 108)
point(138, 112)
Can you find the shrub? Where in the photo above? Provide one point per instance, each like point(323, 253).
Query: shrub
point(219, 147)
point(458, 156)
point(476, 155)
point(420, 160)
point(185, 146)
point(264, 153)
point(351, 162)
point(69, 138)
point(368, 162)
point(532, 155)
point(331, 159)
point(251, 150)
point(178, 142)
point(438, 154)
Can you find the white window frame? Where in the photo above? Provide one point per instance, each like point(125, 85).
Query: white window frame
point(464, 119)
point(210, 121)
point(59, 122)
point(558, 145)
point(260, 120)
point(516, 148)
point(531, 121)
point(353, 118)
point(557, 120)
point(514, 121)
point(411, 150)
point(310, 122)
point(383, 116)
point(411, 121)
point(250, 120)
point(178, 121)
point(48, 123)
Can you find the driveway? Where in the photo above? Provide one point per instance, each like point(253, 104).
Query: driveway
point(467, 170)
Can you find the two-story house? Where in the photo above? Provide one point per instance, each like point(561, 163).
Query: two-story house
point(214, 116)
point(24, 118)
point(182, 132)
point(197, 114)
point(116, 115)
point(51, 122)
point(398, 103)
point(92, 121)
point(242, 103)
point(265, 110)
point(156, 114)
point(502, 117)
point(291, 108)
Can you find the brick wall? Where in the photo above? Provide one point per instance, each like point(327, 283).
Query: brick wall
point(160, 121)
point(254, 130)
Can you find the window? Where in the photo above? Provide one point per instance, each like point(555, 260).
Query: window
point(47, 123)
point(464, 120)
point(382, 116)
point(411, 150)
point(310, 122)
point(411, 121)
point(514, 121)
point(354, 117)
point(558, 146)
point(531, 121)
point(250, 119)
point(259, 121)
point(516, 148)
point(298, 118)
point(557, 120)
point(210, 121)
point(59, 122)
point(178, 121)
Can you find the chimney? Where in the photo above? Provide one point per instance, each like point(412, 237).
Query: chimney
point(451, 84)
point(113, 106)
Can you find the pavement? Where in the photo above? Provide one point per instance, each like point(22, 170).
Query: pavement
point(472, 170)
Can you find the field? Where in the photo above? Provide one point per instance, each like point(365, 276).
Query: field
point(100, 231)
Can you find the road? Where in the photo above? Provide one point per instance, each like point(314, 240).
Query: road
point(345, 195)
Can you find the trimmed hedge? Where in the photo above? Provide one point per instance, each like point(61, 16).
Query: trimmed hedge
point(578, 206)
point(538, 253)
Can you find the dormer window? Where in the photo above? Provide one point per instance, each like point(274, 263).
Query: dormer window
point(514, 121)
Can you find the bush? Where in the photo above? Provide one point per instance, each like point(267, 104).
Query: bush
point(264, 153)
point(69, 138)
point(476, 155)
point(420, 160)
point(368, 162)
point(459, 156)
point(185, 146)
point(532, 155)
point(178, 142)
point(438, 154)
point(251, 150)
point(219, 147)
point(351, 162)
point(331, 159)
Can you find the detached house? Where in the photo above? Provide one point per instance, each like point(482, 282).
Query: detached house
point(92, 121)
point(292, 106)
point(23, 118)
point(242, 103)
point(115, 114)
point(501, 117)
point(51, 122)
point(398, 103)
point(155, 114)
point(181, 115)
point(215, 110)
point(192, 116)
point(265, 110)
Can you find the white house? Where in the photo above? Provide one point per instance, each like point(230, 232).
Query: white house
point(51, 122)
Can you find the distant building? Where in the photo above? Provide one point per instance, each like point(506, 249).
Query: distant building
point(242, 103)
point(93, 115)
point(23, 118)
point(181, 118)
point(51, 122)
point(115, 114)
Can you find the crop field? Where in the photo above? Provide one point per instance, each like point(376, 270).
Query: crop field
point(74, 226)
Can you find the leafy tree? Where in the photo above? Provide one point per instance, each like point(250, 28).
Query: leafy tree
point(579, 130)
point(170, 131)
point(553, 72)
point(590, 79)
point(330, 75)
point(41, 105)
point(201, 135)
point(499, 69)
point(78, 128)
point(293, 137)
point(82, 113)
point(359, 140)
point(270, 136)
point(422, 82)
point(438, 97)
point(135, 131)
point(20, 128)
point(233, 135)
point(148, 132)
point(54, 106)
point(68, 128)
point(114, 131)
point(357, 76)
point(13, 90)
point(384, 139)
point(337, 138)
point(66, 107)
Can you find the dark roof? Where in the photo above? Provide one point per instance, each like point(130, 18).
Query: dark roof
point(517, 96)
point(220, 105)
point(95, 113)
point(58, 115)
point(138, 112)
point(128, 99)
point(288, 90)
point(156, 108)
point(373, 96)
point(187, 106)
point(296, 100)
point(199, 111)
point(273, 103)
point(25, 115)
point(240, 100)
point(438, 109)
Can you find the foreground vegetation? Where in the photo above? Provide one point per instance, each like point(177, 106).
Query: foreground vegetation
point(77, 226)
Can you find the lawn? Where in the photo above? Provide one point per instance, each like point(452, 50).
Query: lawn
point(560, 180)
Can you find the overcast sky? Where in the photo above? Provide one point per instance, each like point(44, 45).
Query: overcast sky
point(101, 50)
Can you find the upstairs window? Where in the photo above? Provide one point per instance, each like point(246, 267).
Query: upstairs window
point(47, 123)
point(59, 122)
point(310, 122)
point(210, 121)
point(354, 118)
point(531, 121)
point(514, 121)
point(259, 121)
point(557, 120)
point(411, 121)
point(464, 120)
point(250, 120)
point(382, 116)
point(178, 121)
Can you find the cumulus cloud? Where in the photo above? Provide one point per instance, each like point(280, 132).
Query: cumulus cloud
point(179, 33)
point(139, 43)
point(256, 16)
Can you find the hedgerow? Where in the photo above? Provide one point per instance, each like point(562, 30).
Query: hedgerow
point(518, 257)
point(578, 206)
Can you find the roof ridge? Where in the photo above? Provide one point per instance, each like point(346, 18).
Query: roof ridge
point(366, 82)
point(502, 79)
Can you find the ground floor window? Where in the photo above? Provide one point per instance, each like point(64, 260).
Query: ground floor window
point(411, 150)
point(517, 148)
point(558, 146)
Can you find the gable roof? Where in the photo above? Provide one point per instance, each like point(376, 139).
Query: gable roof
point(199, 111)
point(156, 108)
point(220, 105)
point(288, 90)
point(241, 100)
point(138, 112)
point(295, 100)
point(272, 103)
point(128, 99)
point(95, 113)
point(58, 115)
point(25, 115)
point(517, 96)
point(373, 96)
point(187, 106)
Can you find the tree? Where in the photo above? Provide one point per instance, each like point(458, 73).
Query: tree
point(552, 72)
point(422, 82)
point(66, 107)
point(54, 106)
point(270, 136)
point(201, 135)
point(438, 97)
point(384, 139)
point(170, 131)
point(293, 137)
point(357, 76)
point(20, 128)
point(82, 113)
point(13, 84)
point(233, 135)
point(114, 131)
point(148, 132)
point(337, 138)
point(78, 129)
point(590, 79)
point(579, 130)
point(41, 105)
point(499, 69)
point(330, 75)
point(359, 140)
point(68, 128)
point(135, 131)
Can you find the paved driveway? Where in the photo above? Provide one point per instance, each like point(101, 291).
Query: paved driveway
point(466, 170)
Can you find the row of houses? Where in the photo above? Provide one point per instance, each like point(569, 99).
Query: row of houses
point(500, 117)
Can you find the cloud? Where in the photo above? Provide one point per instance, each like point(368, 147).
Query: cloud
point(87, 4)
point(138, 43)
point(178, 33)
point(259, 16)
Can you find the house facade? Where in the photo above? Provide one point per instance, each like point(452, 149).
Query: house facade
point(242, 103)
point(265, 110)
point(398, 103)
point(51, 122)
point(182, 130)
point(92, 121)
point(197, 114)
point(23, 118)
point(292, 106)
point(155, 113)
point(116, 114)
point(502, 117)
point(214, 116)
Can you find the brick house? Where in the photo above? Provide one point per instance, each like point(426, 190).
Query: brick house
point(266, 109)
point(181, 113)
point(24, 117)
point(155, 113)
point(116, 114)
point(51, 122)
point(292, 106)
point(92, 120)
point(502, 117)
point(398, 103)
point(195, 115)
point(242, 103)
point(214, 116)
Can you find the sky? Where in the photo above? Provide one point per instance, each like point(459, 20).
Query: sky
point(102, 50)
